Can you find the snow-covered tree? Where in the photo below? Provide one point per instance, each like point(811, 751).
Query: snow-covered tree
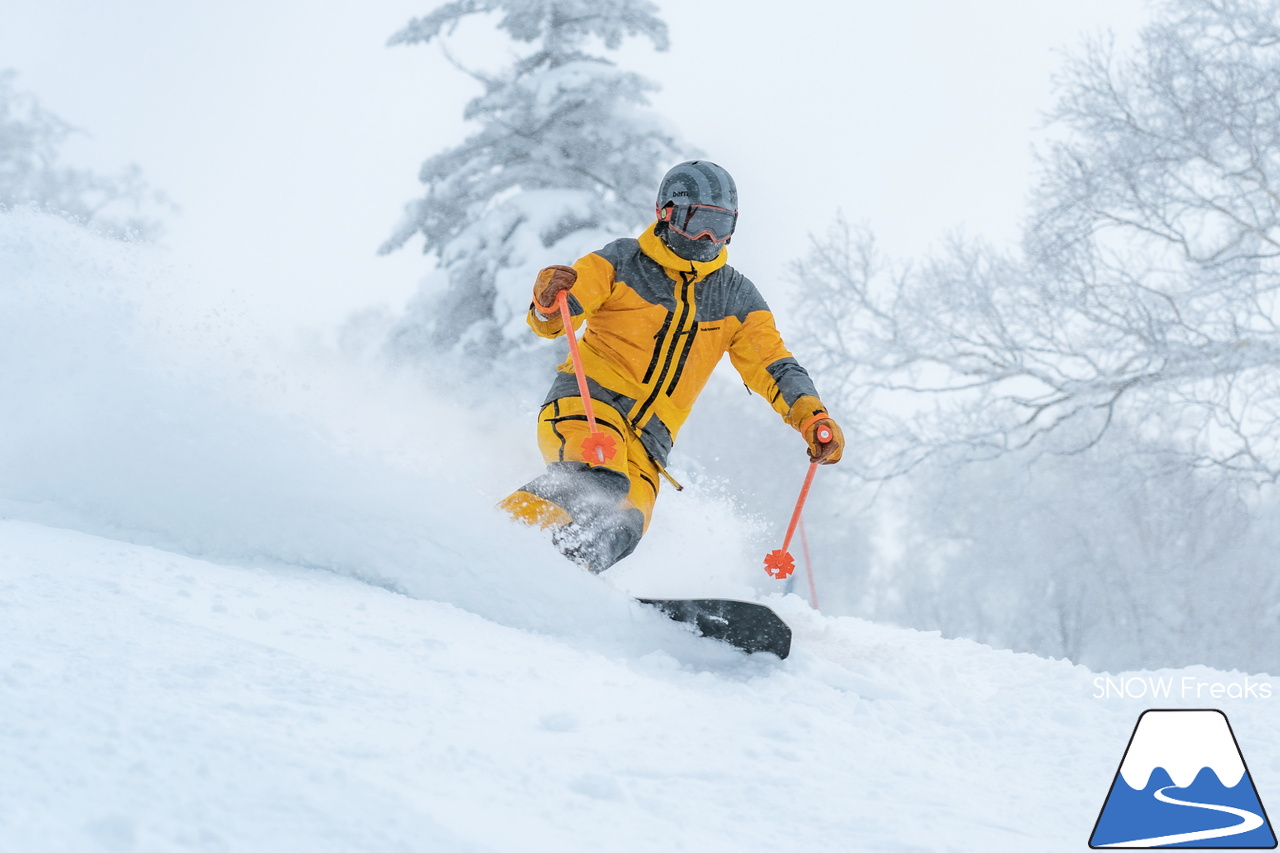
point(1115, 376)
point(31, 173)
point(566, 158)
point(1146, 289)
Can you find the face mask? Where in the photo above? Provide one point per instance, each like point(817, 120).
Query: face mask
point(691, 250)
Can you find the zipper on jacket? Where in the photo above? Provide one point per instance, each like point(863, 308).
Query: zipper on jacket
point(684, 356)
point(685, 307)
point(659, 339)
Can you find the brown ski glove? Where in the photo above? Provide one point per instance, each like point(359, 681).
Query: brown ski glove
point(551, 281)
point(806, 416)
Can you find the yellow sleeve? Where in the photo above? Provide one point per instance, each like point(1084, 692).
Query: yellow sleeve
point(766, 365)
point(593, 287)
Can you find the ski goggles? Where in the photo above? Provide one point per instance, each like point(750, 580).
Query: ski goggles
point(703, 220)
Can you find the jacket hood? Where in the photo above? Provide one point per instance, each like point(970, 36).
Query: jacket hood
point(651, 244)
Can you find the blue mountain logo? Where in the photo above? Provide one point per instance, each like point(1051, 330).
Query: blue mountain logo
point(1183, 783)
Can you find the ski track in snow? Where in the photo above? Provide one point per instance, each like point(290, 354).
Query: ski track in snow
point(249, 603)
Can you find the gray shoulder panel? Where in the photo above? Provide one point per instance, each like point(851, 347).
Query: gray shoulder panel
point(640, 272)
point(728, 293)
point(617, 254)
point(617, 251)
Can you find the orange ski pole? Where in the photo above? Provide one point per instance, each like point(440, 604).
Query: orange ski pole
point(597, 444)
point(780, 564)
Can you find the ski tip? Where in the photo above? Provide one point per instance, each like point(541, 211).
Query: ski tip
point(745, 625)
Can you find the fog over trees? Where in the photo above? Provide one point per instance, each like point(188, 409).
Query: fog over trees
point(33, 173)
point(1145, 292)
point(1082, 434)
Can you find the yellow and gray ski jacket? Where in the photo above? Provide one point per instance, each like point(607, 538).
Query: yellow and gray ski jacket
point(657, 325)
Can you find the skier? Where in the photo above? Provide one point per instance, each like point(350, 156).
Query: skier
point(661, 312)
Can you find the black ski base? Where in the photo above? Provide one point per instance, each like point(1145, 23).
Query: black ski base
point(744, 624)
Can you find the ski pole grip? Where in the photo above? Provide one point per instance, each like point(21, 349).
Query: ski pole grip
point(823, 432)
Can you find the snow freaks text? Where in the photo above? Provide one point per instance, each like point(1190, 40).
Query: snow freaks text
point(1179, 687)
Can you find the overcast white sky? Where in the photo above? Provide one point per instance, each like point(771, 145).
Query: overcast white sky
point(291, 136)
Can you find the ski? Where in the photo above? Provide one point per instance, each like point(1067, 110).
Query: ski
point(743, 624)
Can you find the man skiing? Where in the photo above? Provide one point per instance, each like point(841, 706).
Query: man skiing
point(661, 311)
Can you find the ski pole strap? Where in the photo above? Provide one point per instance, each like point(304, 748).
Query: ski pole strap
point(813, 419)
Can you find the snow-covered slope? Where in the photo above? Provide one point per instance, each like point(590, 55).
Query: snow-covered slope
point(253, 602)
point(150, 701)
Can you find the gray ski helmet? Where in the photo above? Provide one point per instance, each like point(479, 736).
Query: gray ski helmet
point(698, 182)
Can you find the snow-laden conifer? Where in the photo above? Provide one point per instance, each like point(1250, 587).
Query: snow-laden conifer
point(565, 158)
